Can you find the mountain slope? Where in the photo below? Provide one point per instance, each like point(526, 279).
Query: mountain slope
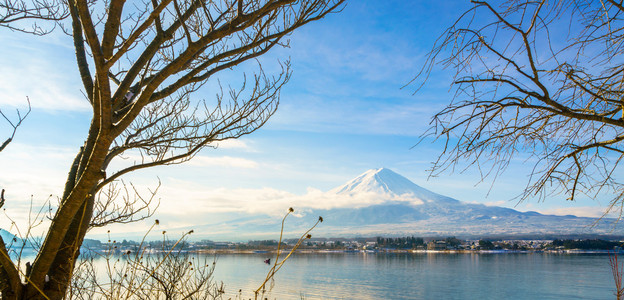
point(401, 207)
point(411, 209)
point(10, 240)
point(407, 208)
point(386, 183)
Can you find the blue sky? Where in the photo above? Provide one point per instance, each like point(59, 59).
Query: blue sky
point(344, 111)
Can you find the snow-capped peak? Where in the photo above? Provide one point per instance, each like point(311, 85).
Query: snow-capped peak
point(382, 181)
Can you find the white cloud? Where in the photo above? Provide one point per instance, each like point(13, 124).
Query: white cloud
point(40, 71)
point(186, 168)
point(34, 170)
point(234, 144)
point(580, 211)
point(491, 203)
point(311, 113)
point(222, 161)
point(187, 203)
point(31, 173)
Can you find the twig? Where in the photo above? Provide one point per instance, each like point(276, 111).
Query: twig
point(278, 265)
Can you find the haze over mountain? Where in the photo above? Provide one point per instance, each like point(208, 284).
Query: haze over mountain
point(9, 239)
point(382, 202)
point(393, 205)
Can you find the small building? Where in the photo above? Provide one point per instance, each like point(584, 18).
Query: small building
point(436, 245)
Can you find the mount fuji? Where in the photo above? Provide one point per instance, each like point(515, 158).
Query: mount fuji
point(397, 206)
point(388, 185)
point(407, 208)
point(381, 202)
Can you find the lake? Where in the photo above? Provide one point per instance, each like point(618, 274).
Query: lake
point(421, 276)
point(425, 276)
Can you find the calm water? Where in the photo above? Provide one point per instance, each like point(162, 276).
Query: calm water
point(422, 276)
point(425, 276)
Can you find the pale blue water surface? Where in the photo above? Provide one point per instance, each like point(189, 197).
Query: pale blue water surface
point(425, 276)
point(421, 276)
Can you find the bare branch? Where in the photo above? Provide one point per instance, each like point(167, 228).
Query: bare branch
point(16, 14)
point(140, 67)
point(132, 208)
point(556, 102)
point(14, 125)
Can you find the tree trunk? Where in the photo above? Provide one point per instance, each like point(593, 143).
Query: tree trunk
point(60, 250)
point(61, 269)
point(63, 266)
point(6, 292)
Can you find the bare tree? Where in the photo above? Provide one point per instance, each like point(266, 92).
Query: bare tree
point(262, 290)
point(139, 64)
point(538, 78)
point(170, 273)
point(14, 123)
point(616, 270)
point(163, 270)
point(27, 15)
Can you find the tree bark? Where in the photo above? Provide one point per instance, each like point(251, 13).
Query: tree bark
point(63, 265)
point(58, 254)
point(169, 132)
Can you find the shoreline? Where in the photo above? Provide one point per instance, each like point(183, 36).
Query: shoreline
point(411, 251)
point(383, 251)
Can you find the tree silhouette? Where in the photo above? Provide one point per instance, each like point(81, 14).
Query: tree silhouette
point(140, 63)
point(539, 78)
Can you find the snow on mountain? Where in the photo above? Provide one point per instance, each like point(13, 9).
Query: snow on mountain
point(381, 181)
point(403, 207)
point(382, 202)
point(407, 208)
point(385, 183)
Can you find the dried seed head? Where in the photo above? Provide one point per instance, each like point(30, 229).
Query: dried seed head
point(320, 219)
point(291, 209)
point(309, 236)
point(157, 222)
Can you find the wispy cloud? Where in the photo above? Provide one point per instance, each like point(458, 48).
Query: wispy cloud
point(31, 175)
point(223, 161)
point(491, 203)
point(310, 113)
point(189, 203)
point(579, 211)
point(234, 144)
point(46, 75)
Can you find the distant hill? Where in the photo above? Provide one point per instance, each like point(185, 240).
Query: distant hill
point(400, 207)
point(411, 209)
point(10, 240)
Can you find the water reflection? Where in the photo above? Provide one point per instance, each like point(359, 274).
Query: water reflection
point(420, 276)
